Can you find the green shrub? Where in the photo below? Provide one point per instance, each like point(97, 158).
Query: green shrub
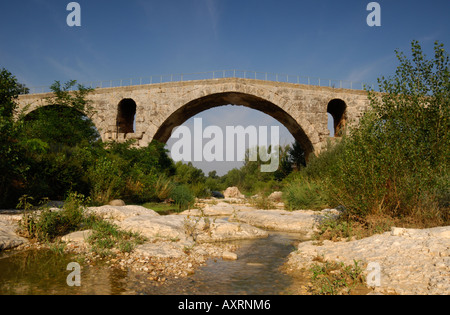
point(46, 224)
point(336, 278)
point(106, 179)
point(200, 190)
point(182, 197)
point(306, 194)
point(107, 236)
point(262, 202)
point(395, 163)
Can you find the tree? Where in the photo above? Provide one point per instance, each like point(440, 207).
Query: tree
point(213, 175)
point(66, 120)
point(188, 174)
point(297, 155)
point(11, 166)
point(396, 162)
point(285, 167)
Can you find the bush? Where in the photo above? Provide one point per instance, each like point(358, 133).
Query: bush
point(106, 180)
point(262, 202)
point(182, 197)
point(306, 194)
point(394, 166)
point(200, 190)
point(48, 224)
point(395, 163)
point(336, 278)
point(107, 236)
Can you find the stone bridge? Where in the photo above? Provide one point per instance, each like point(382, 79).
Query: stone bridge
point(147, 112)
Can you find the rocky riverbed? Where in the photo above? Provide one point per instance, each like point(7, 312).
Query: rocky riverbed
point(409, 261)
point(403, 261)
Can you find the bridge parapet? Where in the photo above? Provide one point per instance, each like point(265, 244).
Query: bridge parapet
point(219, 74)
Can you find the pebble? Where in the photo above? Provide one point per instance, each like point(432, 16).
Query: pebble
point(229, 256)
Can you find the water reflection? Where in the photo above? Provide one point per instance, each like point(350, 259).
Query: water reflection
point(44, 273)
point(255, 272)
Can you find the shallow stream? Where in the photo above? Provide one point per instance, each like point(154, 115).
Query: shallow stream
point(256, 272)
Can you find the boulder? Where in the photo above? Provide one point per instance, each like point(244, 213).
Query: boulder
point(117, 203)
point(161, 250)
point(411, 261)
point(219, 209)
point(221, 230)
point(120, 213)
point(8, 238)
point(77, 237)
point(303, 221)
point(276, 196)
point(229, 256)
point(233, 192)
point(165, 227)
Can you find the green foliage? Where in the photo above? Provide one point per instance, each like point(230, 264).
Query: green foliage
point(396, 160)
point(297, 156)
point(12, 166)
point(250, 180)
point(107, 237)
point(395, 163)
point(305, 194)
point(262, 202)
point(9, 91)
point(336, 278)
point(56, 149)
point(188, 174)
point(48, 224)
point(182, 197)
point(66, 120)
point(106, 180)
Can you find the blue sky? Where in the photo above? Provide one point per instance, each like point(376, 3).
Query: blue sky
point(134, 38)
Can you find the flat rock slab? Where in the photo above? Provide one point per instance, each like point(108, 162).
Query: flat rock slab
point(165, 250)
point(181, 227)
point(77, 237)
point(412, 262)
point(221, 209)
point(167, 227)
point(8, 238)
point(117, 213)
point(303, 221)
point(222, 230)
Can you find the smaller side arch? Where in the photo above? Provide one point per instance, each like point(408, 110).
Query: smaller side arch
point(337, 108)
point(61, 124)
point(126, 115)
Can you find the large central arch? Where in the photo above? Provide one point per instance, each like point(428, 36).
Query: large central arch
point(204, 103)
